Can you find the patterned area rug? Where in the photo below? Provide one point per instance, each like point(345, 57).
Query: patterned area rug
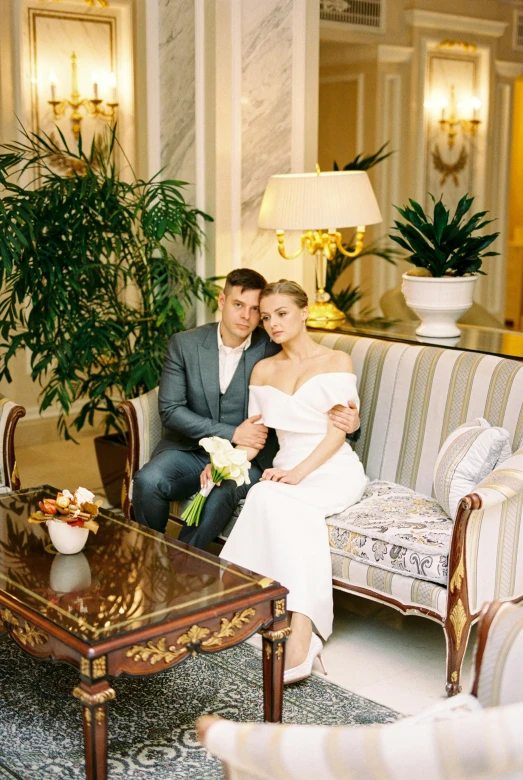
point(151, 724)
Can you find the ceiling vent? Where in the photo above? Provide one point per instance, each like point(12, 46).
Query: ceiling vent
point(358, 13)
point(518, 30)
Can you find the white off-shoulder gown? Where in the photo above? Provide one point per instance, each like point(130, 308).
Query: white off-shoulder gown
point(281, 531)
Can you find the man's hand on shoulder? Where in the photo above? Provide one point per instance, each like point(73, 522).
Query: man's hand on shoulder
point(346, 418)
point(250, 433)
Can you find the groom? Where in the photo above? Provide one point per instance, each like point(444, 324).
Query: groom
point(204, 391)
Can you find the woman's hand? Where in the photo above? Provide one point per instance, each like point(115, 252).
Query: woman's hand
point(206, 477)
point(280, 475)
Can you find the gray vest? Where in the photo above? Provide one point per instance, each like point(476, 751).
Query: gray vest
point(234, 402)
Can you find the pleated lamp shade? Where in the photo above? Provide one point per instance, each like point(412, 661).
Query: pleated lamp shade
point(312, 201)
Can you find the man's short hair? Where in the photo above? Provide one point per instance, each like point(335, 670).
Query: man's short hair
point(245, 278)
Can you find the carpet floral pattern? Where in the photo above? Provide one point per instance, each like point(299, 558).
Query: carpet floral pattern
point(151, 724)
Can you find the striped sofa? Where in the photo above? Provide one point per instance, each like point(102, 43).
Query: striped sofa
point(397, 546)
point(471, 737)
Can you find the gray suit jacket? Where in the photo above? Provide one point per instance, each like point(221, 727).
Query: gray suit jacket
point(189, 397)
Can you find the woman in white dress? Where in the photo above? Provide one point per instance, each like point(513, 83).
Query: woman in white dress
point(281, 532)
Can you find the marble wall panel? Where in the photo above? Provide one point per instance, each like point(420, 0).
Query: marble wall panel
point(177, 98)
point(266, 121)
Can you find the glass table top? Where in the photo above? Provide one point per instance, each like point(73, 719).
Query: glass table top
point(126, 577)
point(492, 341)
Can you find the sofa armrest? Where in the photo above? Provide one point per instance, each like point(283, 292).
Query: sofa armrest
point(494, 541)
point(10, 414)
point(483, 744)
point(144, 431)
point(499, 655)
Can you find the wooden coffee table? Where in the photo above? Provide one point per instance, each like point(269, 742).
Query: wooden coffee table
point(132, 602)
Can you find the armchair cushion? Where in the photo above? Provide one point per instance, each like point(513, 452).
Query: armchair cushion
point(396, 529)
point(470, 453)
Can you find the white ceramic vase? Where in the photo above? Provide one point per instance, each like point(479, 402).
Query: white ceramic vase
point(67, 539)
point(439, 302)
point(70, 573)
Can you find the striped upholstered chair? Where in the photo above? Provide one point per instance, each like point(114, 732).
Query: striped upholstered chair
point(398, 546)
point(10, 413)
point(468, 737)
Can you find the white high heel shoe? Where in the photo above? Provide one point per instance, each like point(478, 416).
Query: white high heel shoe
point(304, 669)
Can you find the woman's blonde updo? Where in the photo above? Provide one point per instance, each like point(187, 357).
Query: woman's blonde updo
point(285, 287)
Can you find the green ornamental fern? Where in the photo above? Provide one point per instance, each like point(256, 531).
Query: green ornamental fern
point(442, 244)
point(90, 282)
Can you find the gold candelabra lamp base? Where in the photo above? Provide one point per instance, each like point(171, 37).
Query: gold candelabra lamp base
point(323, 313)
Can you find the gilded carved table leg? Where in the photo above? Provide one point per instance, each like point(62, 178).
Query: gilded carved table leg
point(94, 698)
point(273, 663)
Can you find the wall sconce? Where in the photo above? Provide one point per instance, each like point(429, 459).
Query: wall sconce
point(451, 122)
point(310, 202)
point(92, 106)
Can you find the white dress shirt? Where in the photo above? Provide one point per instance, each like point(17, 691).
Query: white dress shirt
point(229, 357)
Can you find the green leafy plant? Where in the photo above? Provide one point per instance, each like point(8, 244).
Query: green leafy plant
point(441, 244)
point(361, 163)
point(90, 283)
point(347, 297)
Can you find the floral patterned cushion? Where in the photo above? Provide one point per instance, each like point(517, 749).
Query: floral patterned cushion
point(397, 529)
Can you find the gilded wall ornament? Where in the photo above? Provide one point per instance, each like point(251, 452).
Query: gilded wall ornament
point(449, 169)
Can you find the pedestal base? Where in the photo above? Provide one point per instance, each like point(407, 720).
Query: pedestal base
point(325, 315)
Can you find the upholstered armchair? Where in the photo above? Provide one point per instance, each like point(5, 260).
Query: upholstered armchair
point(475, 735)
point(10, 413)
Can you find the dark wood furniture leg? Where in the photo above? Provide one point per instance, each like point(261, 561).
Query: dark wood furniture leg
point(274, 639)
point(94, 698)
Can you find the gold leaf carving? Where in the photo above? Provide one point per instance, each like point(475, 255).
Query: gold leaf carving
point(193, 636)
point(100, 716)
point(228, 627)
point(85, 667)
point(454, 677)
point(279, 607)
point(279, 650)
point(275, 636)
point(458, 575)
point(99, 667)
point(93, 699)
point(268, 652)
point(7, 617)
point(30, 635)
point(154, 653)
point(87, 715)
point(449, 169)
point(458, 618)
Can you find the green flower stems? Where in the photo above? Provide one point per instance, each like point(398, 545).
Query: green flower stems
point(194, 510)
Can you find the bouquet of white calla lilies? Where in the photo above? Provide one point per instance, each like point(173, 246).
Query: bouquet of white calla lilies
point(227, 463)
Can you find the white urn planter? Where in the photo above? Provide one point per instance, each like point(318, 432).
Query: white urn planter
point(439, 302)
point(67, 539)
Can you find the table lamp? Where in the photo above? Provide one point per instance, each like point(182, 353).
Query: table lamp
point(319, 204)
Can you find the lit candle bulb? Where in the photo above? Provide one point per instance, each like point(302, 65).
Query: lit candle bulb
point(476, 105)
point(52, 81)
point(443, 104)
point(95, 85)
point(112, 84)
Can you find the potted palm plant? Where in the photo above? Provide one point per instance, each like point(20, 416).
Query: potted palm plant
point(447, 253)
point(89, 278)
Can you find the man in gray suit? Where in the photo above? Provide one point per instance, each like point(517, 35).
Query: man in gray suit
point(204, 391)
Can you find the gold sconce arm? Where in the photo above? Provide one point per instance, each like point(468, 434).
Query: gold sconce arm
point(335, 244)
point(280, 235)
point(318, 240)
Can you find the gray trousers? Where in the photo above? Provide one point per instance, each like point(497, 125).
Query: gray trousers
point(174, 475)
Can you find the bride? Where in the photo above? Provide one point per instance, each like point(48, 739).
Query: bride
point(281, 531)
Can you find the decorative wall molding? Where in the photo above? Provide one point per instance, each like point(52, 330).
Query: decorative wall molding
point(385, 275)
point(200, 200)
point(298, 108)
point(152, 48)
point(491, 288)
point(509, 70)
point(434, 20)
point(236, 133)
point(395, 54)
